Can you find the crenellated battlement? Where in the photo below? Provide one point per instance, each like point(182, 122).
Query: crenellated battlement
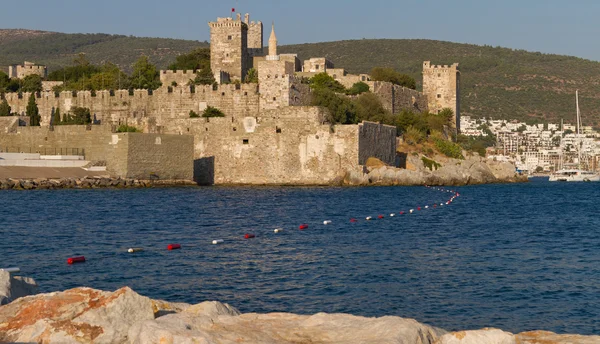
point(428, 67)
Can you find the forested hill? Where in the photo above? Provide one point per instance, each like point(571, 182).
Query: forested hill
point(57, 50)
point(496, 82)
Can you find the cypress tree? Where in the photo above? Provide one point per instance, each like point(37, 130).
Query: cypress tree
point(4, 108)
point(33, 112)
point(57, 116)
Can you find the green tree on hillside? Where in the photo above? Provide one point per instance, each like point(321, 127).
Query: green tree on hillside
point(109, 77)
point(33, 111)
point(196, 59)
point(204, 77)
point(369, 108)
point(4, 80)
point(145, 75)
point(340, 108)
point(325, 81)
point(358, 88)
point(32, 83)
point(391, 75)
point(4, 108)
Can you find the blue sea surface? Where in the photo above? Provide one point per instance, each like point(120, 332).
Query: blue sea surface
point(517, 257)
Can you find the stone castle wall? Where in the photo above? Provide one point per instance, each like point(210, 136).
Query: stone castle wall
point(180, 77)
point(132, 108)
point(378, 141)
point(396, 98)
point(128, 155)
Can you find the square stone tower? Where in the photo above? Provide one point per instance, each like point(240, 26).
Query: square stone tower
point(229, 48)
point(441, 85)
point(255, 37)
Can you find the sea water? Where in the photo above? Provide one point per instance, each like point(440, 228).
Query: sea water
point(515, 256)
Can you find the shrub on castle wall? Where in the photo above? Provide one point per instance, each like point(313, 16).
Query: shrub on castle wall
point(358, 88)
point(194, 114)
point(212, 112)
point(124, 128)
point(325, 81)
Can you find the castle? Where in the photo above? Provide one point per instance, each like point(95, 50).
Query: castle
point(270, 134)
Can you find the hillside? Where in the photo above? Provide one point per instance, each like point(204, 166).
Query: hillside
point(496, 82)
point(59, 49)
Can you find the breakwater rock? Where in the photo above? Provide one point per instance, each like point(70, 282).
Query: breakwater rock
point(422, 170)
point(84, 183)
point(85, 315)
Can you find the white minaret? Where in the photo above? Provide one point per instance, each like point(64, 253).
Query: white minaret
point(272, 46)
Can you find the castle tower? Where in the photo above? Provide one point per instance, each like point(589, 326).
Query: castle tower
point(441, 85)
point(255, 37)
point(229, 49)
point(275, 78)
point(273, 45)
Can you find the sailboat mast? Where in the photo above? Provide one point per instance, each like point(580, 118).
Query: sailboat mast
point(580, 143)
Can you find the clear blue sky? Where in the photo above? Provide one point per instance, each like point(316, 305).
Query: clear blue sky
point(550, 26)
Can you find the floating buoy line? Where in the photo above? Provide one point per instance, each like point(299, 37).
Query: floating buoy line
point(301, 227)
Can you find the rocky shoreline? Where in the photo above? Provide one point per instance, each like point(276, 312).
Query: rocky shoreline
point(438, 171)
point(84, 183)
point(85, 315)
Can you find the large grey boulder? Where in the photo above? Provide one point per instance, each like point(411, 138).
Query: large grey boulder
point(219, 323)
point(80, 315)
point(14, 287)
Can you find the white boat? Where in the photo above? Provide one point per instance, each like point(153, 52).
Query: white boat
point(574, 176)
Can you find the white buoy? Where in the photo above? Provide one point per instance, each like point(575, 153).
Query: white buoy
point(218, 241)
point(426, 207)
point(411, 211)
point(327, 222)
point(277, 230)
point(14, 270)
point(392, 214)
point(135, 249)
point(441, 204)
point(447, 203)
point(368, 218)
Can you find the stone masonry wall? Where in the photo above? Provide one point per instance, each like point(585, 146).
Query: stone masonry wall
point(181, 77)
point(229, 48)
point(282, 146)
point(159, 156)
point(397, 98)
point(234, 100)
point(378, 141)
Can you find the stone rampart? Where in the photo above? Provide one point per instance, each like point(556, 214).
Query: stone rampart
point(179, 77)
point(123, 106)
point(396, 98)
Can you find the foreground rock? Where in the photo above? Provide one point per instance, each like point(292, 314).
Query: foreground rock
point(545, 337)
point(14, 287)
point(84, 315)
point(486, 335)
point(214, 322)
point(80, 315)
point(439, 171)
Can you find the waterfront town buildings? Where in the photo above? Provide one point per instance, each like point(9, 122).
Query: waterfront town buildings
point(539, 147)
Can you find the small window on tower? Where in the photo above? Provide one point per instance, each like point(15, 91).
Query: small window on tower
point(274, 98)
point(439, 75)
point(439, 96)
point(316, 66)
point(229, 38)
point(245, 141)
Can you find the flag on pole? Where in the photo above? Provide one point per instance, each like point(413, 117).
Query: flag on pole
point(232, 9)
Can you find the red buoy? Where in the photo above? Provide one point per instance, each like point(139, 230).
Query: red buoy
point(418, 208)
point(380, 217)
point(303, 226)
point(435, 205)
point(74, 260)
point(401, 213)
point(353, 220)
point(249, 236)
point(173, 247)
